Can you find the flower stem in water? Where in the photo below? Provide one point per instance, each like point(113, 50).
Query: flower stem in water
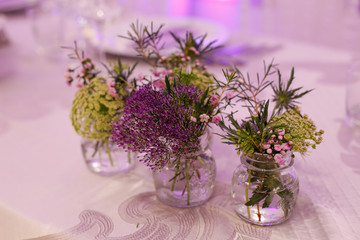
point(258, 205)
point(129, 156)
point(174, 179)
point(187, 184)
point(247, 193)
point(109, 153)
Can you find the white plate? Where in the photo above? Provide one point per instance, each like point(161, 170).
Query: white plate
point(15, 5)
point(116, 45)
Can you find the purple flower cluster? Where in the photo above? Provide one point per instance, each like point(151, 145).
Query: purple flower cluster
point(158, 124)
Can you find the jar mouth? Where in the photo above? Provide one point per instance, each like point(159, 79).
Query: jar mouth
point(261, 162)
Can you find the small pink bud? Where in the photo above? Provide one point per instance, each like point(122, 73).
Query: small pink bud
point(214, 100)
point(277, 147)
point(192, 49)
point(160, 84)
point(229, 94)
point(80, 85)
point(216, 119)
point(266, 146)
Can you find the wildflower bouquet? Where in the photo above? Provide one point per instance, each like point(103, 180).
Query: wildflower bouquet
point(97, 104)
point(266, 141)
point(186, 60)
point(165, 121)
point(165, 127)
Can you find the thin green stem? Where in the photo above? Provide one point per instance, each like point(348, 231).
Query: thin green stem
point(129, 156)
point(108, 152)
point(175, 177)
point(95, 149)
point(247, 193)
point(187, 184)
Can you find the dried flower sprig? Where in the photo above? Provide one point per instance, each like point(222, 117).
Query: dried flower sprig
point(82, 74)
point(247, 92)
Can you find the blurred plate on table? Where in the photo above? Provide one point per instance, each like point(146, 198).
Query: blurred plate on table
point(15, 5)
point(116, 45)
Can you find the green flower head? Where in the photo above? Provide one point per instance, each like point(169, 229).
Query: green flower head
point(94, 109)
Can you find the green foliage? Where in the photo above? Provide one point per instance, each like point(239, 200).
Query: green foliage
point(200, 79)
point(121, 74)
point(285, 97)
point(197, 42)
point(270, 186)
point(251, 134)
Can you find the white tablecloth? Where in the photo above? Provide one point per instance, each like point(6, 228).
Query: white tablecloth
point(46, 189)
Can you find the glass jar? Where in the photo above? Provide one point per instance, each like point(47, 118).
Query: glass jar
point(106, 158)
point(264, 192)
point(191, 181)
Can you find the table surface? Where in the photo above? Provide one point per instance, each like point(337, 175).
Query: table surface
point(46, 189)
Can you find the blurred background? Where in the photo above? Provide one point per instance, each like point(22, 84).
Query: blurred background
point(235, 23)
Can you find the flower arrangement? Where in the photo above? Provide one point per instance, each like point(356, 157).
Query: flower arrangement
point(267, 139)
point(187, 60)
point(99, 100)
point(165, 125)
point(165, 120)
point(284, 129)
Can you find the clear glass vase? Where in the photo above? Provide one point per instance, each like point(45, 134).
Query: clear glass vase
point(190, 183)
point(265, 193)
point(106, 158)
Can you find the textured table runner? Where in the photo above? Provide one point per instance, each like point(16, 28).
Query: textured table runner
point(155, 220)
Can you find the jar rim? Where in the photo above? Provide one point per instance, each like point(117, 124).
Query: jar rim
point(268, 164)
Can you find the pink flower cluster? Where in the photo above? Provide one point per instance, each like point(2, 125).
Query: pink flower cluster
point(275, 147)
point(214, 100)
point(83, 74)
point(194, 50)
point(205, 118)
point(111, 84)
point(160, 82)
point(180, 58)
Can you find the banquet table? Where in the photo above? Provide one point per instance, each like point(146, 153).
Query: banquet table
point(47, 192)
